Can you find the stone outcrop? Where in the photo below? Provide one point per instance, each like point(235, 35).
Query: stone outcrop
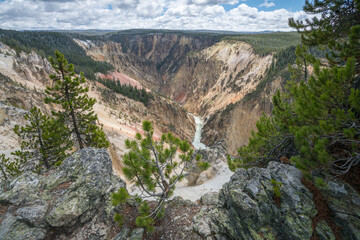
point(216, 158)
point(71, 201)
point(246, 208)
point(344, 202)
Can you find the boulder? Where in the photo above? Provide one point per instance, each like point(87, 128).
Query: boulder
point(344, 202)
point(137, 234)
point(72, 201)
point(246, 207)
point(122, 235)
point(210, 198)
point(216, 157)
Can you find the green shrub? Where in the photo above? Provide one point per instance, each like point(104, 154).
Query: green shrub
point(276, 188)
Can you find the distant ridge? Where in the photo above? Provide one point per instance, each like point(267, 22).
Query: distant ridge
point(140, 30)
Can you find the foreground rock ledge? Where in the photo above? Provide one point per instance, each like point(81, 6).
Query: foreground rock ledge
point(73, 202)
point(69, 202)
point(245, 208)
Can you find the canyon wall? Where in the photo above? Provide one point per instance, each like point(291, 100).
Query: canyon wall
point(24, 77)
point(204, 74)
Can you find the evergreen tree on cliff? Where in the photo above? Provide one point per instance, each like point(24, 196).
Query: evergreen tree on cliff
point(316, 122)
point(338, 28)
point(76, 105)
point(43, 141)
point(155, 168)
point(9, 168)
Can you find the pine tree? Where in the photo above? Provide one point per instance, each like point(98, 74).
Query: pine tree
point(310, 123)
point(327, 114)
point(9, 168)
point(337, 29)
point(153, 168)
point(76, 105)
point(303, 60)
point(316, 122)
point(43, 140)
point(337, 18)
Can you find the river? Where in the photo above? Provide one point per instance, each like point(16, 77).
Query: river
point(197, 138)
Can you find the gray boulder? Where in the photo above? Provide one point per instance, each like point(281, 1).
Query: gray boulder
point(246, 208)
point(137, 234)
point(344, 202)
point(69, 202)
point(210, 198)
point(195, 176)
point(248, 211)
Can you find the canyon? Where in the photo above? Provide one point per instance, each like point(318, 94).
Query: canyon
point(205, 75)
point(209, 89)
point(199, 84)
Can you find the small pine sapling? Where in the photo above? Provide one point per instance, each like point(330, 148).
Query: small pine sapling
point(119, 198)
point(276, 189)
point(155, 167)
point(321, 183)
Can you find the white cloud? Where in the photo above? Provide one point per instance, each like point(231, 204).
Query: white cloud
point(126, 14)
point(267, 4)
point(213, 10)
point(213, 2)
point(153, 8)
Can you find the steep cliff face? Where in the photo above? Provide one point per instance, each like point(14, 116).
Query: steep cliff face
point(150, 59)
point(199, 73)
point(162, 49)
point(213, 78)
point(171, 117)
point(21, 80)
point(240, 119)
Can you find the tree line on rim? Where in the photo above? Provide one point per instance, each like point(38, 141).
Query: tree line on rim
point(127, 90)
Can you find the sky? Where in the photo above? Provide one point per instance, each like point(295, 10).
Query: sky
point(224, 15)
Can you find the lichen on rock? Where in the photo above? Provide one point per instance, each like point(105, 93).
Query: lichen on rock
point(72, 200)
point(247, 209)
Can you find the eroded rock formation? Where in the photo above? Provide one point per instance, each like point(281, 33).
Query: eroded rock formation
point(203, 74)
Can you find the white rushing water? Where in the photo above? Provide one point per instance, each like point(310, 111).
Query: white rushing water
point(221, 176)
point(198, 129)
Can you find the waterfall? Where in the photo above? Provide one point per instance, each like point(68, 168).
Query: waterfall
point(197, 138)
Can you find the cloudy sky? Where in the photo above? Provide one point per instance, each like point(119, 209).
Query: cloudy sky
point(232, 15)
